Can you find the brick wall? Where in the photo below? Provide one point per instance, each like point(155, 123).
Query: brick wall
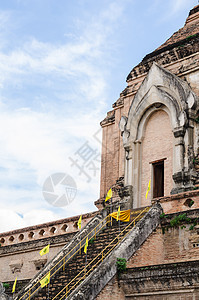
point(157, 144)
point(181, 61)
point(162, 282)
point(19, 251)
point(111, 291)
point(175, 245)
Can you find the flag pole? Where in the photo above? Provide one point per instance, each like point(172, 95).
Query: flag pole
point(85, 251)
point(85, 265)
point(79, 225)
point(111, 209)
point(48, 290)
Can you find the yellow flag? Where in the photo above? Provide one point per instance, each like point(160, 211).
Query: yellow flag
point(45, 280)
point(148, 189)
point(124, 216)
point(118, 213)
point(45, 250)
point(86, 246)
point(79, 223)
point(109, 195)
point(14, 285)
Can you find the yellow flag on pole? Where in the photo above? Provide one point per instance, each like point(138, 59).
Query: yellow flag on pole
point(109, 195)
point(86, 246)
point(118, 213)
point(124, 216)
point(45, 280)
point(14, 285)
point(148, 189)
point(45, 250)
point(79, 223)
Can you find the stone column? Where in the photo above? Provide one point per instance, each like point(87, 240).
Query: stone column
point(136, 174)
point(182, 174)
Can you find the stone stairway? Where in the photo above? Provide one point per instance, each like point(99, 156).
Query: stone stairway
point(76, 268)
point(77, 271)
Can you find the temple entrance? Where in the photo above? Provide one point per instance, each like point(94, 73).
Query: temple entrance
point(158, 179)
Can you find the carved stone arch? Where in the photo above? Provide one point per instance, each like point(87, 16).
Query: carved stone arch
point(161, 90)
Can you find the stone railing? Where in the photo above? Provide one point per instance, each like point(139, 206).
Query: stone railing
point(71, 248)
point(46, 230)
point(97, 280)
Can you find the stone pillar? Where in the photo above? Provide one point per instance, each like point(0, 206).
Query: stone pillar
point(182, 176)
point(137, 174)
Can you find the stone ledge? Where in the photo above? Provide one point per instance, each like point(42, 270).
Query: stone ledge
point(37, 244)
point(44, 231)
point(164, 279)
point(187, 194)
point(173, 269)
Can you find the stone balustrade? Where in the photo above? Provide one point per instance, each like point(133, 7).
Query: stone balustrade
point(46, 230)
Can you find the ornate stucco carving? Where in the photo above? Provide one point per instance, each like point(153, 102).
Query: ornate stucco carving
point(162, 90)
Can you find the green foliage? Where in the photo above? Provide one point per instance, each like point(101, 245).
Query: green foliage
point(191, 37)
point(194, 224)
point(195, 161)
point(121, 265)
point(91, 241)
point(181, 46)
point(191, 203)
point(191, 227)
point(197, 120)
point(145, 268)
point(183, 226)
point(163, 216)
point(163, 230)
point(178, 220)
point(6, 285)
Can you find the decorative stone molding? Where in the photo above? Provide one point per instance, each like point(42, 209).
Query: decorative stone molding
point(167, 281)
point(16, 266)
point(161, 90)
point(43, 231)
point(71, 248)
point(110, 119)
point(39, 263)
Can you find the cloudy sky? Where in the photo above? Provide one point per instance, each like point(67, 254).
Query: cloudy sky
point(62, 65)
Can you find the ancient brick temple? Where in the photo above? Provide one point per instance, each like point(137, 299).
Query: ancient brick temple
point(150, 135)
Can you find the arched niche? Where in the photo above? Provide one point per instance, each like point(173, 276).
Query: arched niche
point(161, 90)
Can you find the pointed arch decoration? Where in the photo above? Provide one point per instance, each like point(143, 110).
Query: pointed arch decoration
point(161, 90)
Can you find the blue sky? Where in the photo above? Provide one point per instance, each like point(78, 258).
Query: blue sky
point(62, 65)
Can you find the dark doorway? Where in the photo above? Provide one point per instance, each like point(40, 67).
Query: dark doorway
point(158, 179)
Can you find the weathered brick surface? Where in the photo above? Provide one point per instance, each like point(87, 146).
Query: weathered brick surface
point(176, 203)
point(112, 291)
point(21, 258)
point(176, 281)
point(175, 245)
point(44, 231)
point(180, 55)
point(157, 144)
point(164, 282)
point(150, 253)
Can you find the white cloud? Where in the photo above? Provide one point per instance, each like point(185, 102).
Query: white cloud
point(11, 220)
point(176, 6)
point(37, 141)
